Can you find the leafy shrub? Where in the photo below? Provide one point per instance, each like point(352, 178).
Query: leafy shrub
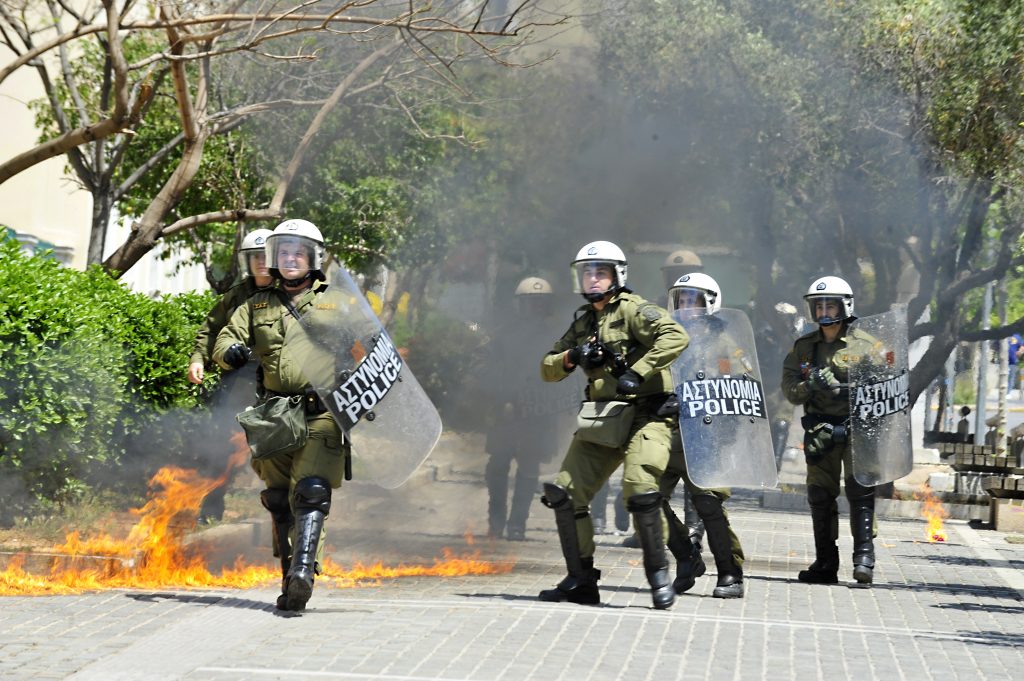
point(86, 366)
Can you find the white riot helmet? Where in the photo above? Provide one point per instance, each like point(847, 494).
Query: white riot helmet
point(830, 288)
point(296, 232)
point(695, 290)
point(594, 254)
point(253, 243)
point(533, 286)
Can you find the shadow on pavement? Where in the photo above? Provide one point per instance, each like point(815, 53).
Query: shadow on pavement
point(993, 638)
point(982, 607)
point(961, 561)
point(227, 602)
point(534, 599)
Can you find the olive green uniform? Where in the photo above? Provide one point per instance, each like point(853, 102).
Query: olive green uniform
point(265, 325)
point(649, 340)
point(829, 458)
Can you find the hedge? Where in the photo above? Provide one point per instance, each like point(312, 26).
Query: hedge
point(89, 372)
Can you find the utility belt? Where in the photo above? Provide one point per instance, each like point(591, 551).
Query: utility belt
point(808, 421)
point(311, 401)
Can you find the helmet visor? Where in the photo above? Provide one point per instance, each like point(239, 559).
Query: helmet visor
point(593, 277)
point(686, 299)
point(826, 309)
point(252, 262)
point(291, 255)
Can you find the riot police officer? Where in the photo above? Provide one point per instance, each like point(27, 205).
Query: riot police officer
point(624, 344)
point(699, 293)
point(814, 374)
point(237, 388)
point(298, 481)
point(252, 263)
point(521, 428)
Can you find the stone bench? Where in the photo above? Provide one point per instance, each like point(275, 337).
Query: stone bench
point(980, 469)
point(1006, 508)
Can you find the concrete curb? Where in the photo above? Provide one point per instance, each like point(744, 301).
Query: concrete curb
point(884, 508)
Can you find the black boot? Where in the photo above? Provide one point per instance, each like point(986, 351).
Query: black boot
point(689, 563)
point(312, 504)
point(580, 585)
point(730, 573)
point(275, 500)
point(862, 518)
point(647, 513)
point(825, 568)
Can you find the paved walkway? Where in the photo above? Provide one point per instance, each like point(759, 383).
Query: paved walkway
point(937, 611)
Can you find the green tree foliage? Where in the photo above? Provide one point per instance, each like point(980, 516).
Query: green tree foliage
point(377, 187)
point(132, 167)
point(86, 365)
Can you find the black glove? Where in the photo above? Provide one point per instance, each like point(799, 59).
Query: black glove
point(574, 355)
point(629, 382)
point(237, 356)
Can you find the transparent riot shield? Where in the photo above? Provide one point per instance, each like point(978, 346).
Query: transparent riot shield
point(364, 382)
point(723, 420)
point(879, 377)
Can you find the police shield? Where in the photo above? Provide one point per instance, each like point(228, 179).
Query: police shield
point(366, 385)
point(879, 376)
point(723, 422)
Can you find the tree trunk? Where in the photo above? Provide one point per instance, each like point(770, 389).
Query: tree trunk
point(102, 205)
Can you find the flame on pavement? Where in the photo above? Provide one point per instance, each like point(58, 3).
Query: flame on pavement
point(154, 554)
point(934, 512)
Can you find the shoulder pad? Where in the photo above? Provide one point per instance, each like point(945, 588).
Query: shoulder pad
point(650, 312)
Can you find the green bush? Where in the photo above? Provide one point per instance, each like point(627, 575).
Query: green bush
point(86, 367)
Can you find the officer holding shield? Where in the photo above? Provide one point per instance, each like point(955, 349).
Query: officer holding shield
point(298, 481)
point(691, 294)
point(814, 374)
point(624, 344)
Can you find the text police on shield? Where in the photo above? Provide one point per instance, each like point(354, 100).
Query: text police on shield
point(369, 383)
point(721, 396)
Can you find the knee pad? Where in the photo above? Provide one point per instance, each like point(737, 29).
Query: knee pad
point(708, 506)
point(818, 497)
point(555, 496)
point(313, 494)
point(647, 501)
